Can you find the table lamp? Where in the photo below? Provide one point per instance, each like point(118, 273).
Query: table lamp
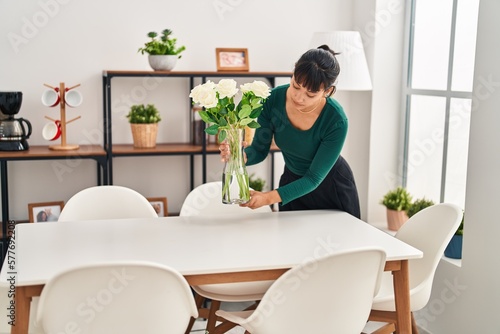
point(354, 74)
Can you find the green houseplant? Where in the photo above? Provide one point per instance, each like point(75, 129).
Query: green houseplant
point(418, 205)
point(162, 50)
point(396, 201)
point(143, 121)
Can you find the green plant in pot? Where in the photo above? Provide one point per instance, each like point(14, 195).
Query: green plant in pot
point(417, 205)
point(396, 201)
point(143, 121)
point(162, 50)
point(454, 248)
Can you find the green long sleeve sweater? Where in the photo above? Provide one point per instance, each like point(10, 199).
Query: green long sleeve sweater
point(308, 153)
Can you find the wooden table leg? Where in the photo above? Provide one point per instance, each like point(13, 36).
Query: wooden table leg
point(24, 295)
point(23, 304)
point(402, 298)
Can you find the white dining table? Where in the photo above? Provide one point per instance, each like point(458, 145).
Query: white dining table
point(205, 250)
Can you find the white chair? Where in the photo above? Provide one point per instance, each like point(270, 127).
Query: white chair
point(106, 202)
point(429, 230)
point(206, 200)
point(103, 202)
point(332, 294)
point(125, 298)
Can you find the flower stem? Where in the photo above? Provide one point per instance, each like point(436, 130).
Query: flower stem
point(235, 185)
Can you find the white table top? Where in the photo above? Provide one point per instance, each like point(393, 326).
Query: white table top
point(195, 245)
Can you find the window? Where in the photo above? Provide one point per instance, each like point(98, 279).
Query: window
point(438, 97)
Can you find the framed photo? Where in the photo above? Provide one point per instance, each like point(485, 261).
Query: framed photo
point(232, 59)
point(44, 212)
point(160, 205)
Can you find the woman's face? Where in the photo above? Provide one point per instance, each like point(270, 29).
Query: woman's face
point(303, 98)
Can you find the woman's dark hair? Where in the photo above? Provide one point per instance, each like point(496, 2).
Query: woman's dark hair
point(316, 68)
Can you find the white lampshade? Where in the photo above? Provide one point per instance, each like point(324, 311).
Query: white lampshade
point(354, 74)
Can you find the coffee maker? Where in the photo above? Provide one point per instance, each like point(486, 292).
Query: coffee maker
point(14, 132)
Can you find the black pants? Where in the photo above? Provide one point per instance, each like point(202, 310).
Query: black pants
point(337, 191)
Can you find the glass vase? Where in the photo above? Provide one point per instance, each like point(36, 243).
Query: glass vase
point(235, 185)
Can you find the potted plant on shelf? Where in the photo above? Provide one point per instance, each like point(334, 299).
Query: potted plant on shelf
point(163, 51)
point(396, 201)
point(454, 248)
point(144, 124)
point(418, 205)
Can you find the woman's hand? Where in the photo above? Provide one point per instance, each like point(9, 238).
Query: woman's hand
point(225, 152)
point(258, 199)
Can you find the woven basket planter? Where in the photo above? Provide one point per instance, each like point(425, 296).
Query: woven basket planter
point(144, 135)
point(396, 219)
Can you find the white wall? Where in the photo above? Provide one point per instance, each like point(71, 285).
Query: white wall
point(466, 299)
point(383, 37)
point(52, 41)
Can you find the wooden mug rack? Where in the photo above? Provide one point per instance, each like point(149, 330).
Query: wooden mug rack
point(62, 106)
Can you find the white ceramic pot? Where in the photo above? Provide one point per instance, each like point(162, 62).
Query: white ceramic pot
point(163, 62)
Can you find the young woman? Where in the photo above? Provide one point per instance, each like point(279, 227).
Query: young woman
point(310, 128)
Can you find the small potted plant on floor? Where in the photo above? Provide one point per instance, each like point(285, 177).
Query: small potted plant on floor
point(454, 248)
point(417, 205)
point(144, 124)
point(396, 201)
point(162, 50)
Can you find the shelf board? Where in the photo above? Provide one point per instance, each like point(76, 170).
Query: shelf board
point(168, 149)
point(46, 153)
point(160, 149)
point(121, 73)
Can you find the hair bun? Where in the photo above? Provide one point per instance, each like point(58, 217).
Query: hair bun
point(327, 48)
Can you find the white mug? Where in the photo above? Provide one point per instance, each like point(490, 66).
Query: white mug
point(52, 131)
point(73, 98)
point(51, 98)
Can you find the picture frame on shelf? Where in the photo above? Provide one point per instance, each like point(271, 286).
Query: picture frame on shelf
point(44, 211)
point(160, 205)
point(232, 59)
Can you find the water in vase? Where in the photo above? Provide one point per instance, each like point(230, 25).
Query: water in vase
point(235, 187)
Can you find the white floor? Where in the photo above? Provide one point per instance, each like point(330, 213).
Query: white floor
point(200, 325)
point(199, 328)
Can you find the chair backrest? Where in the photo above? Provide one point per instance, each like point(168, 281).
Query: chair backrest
point(106, 202)
point(206, 200)
point(429, 230)
point(332, 294)
point(116, 298)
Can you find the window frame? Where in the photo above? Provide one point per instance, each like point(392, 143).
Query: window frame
point(408, 92)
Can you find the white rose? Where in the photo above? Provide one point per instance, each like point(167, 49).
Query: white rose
point(205, 95)
point(246, 87)
point(226, 88)
point(260, 89)
point(209, 84)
